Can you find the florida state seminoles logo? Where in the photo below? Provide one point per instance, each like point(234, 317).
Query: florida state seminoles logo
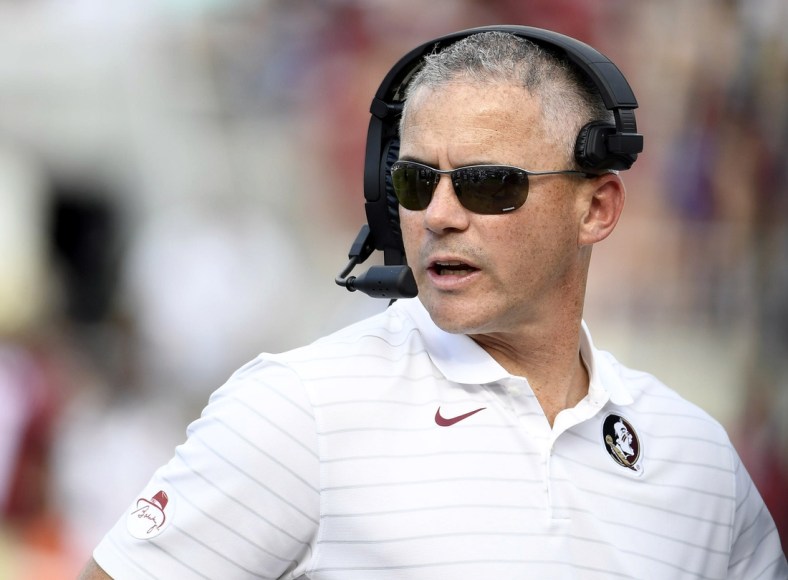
point(622, 442)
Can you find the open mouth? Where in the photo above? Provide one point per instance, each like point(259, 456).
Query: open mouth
point(452, 268)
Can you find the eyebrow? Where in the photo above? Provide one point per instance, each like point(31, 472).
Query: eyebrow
point(471, 164)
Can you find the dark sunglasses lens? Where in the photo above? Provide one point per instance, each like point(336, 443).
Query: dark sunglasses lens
point(483, 189)
point(413, 185)
point(491, 190)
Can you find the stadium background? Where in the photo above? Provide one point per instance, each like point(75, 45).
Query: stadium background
point(180, 181)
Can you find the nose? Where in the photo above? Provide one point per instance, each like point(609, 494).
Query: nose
point(445, 212)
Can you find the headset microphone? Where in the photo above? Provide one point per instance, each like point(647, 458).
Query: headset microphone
point(379, 281)
point(385, 282)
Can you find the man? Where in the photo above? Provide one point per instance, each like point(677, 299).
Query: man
point(461, 434)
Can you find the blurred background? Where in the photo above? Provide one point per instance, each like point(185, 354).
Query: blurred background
point(180, 181)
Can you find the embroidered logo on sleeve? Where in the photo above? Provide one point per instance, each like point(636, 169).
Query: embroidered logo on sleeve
point(150, 515)
point(622, 442)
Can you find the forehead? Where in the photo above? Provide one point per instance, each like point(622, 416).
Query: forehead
point(465, 122)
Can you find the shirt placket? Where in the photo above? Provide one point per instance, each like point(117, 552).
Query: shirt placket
point(520, 401)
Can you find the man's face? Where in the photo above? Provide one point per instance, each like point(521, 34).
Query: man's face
point(480, 274)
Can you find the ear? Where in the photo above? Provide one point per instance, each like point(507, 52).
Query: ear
point(603, 203)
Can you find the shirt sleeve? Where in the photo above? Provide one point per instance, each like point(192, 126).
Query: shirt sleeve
point(239, 499)
point(755, 544)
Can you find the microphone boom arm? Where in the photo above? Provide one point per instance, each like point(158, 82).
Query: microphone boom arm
point(379, 281)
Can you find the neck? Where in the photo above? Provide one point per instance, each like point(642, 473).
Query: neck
point(544, 347)
point(551, 364)
point(547, 354)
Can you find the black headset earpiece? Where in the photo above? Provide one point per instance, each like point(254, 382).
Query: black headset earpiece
point(599, 146)
point(592, 152)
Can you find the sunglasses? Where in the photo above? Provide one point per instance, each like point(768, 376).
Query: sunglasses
point(483, 189)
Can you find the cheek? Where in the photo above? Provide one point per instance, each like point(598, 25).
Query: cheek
point(407, 224)
point(535, 250)
point(554, 226)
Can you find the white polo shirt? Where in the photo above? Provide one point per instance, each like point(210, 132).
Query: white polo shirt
point(393, 450)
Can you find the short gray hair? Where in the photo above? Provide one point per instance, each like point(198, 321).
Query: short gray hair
point(568, 100)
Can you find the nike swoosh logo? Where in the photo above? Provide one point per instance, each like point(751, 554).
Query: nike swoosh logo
point(447, 422)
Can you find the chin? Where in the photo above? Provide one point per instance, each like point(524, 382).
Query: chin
point(455, 319)
point(454, 327)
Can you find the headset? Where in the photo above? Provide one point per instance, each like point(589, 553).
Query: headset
point(599, 146)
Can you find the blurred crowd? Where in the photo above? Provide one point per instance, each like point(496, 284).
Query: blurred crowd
point(180, 181)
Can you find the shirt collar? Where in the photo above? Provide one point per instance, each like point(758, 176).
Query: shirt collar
point(603, 381)
point(461, 360)
point(457, 356)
